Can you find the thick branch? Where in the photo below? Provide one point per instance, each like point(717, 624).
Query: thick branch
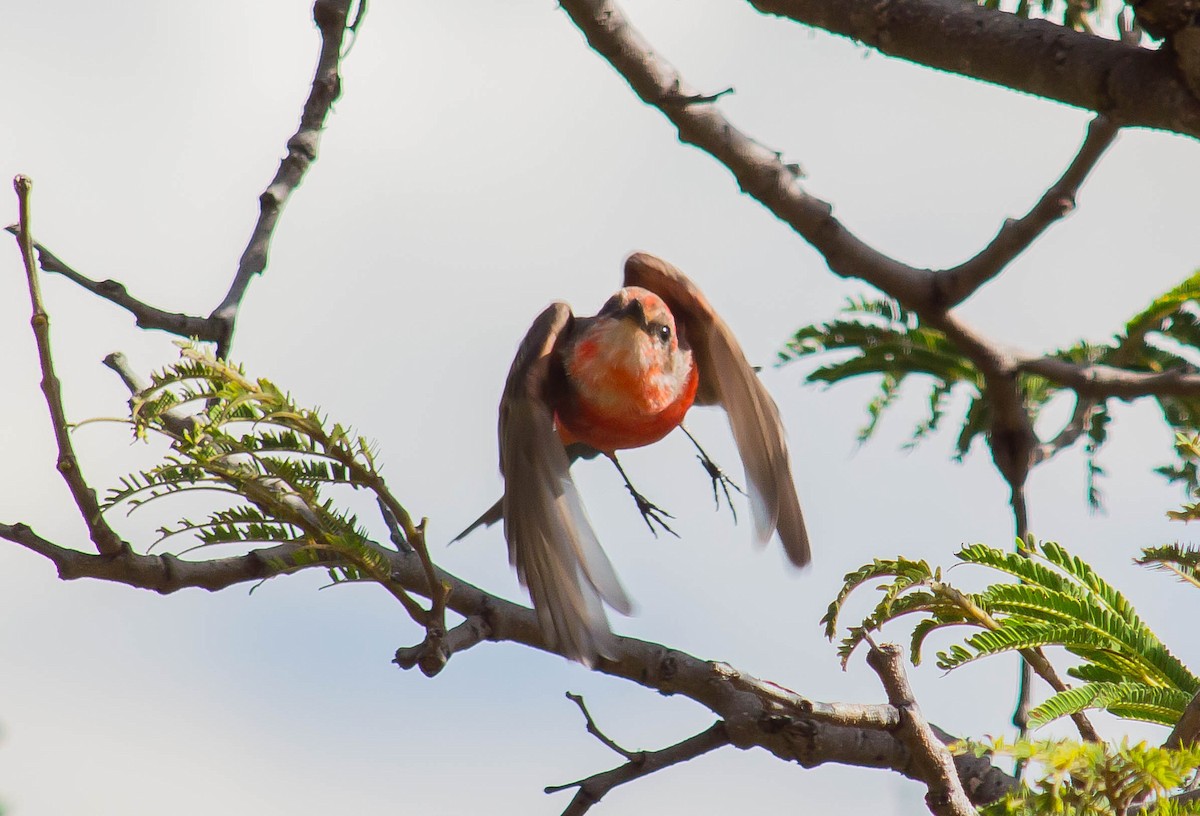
point(167, 573)
point(330, 17)
point(1132, 85)
point(945, 795)
point(756, 713)
point(1100, 381)
point(855, 715)
point(1010, 433)
point(763, 174)
point(759, 171)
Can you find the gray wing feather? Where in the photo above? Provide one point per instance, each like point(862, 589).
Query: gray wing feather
point(727, 379)
point(550, 541)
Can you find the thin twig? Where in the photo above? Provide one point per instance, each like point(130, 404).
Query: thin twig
point(594, 730)
point(1041, 665)
point(330, 17)
point(960, 282)
point(763, 174)
point(945, 795)
point(146, 316)
point(395, 533)
point(1070, 433)
point(106, 540)
point(218, 327)
point(641, 763)
point(175, 420)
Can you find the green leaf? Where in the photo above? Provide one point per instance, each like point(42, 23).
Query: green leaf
point(1014, 637)
point(1181, 560)
point(914, 572)
point(1129, 700)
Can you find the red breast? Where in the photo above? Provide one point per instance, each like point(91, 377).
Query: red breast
point(631, 381)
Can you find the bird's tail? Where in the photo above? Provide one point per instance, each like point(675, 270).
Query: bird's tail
point(489, 517)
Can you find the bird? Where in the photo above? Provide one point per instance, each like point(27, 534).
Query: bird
point(585, 386)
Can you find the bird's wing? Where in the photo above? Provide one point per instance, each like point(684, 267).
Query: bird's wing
point(550, 541)
point(728, 380)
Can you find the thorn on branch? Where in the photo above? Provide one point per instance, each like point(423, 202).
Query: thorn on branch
point(684, 100)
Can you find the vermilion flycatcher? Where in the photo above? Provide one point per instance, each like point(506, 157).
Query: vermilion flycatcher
point(622, 379)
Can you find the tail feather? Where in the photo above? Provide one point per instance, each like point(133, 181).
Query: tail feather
point(489, 517)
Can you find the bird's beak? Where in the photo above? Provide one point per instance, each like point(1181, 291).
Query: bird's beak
point(633, 311)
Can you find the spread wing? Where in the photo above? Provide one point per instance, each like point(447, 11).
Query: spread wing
point(550, 541)
point(728, 380)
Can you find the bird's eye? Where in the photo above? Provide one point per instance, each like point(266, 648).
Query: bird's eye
point(663, 332)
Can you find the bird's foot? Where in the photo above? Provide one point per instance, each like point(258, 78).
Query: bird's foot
point(651, 513)
point(720, 480)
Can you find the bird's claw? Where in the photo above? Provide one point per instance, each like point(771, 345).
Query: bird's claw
point(651, 513)
point(719, 479)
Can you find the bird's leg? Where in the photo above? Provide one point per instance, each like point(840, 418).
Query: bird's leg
point(717, 475)
point(652, 513)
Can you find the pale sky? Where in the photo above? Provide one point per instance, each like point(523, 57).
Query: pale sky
point(481, 163)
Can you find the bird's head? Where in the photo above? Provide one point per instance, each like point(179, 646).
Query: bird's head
point(638, 311)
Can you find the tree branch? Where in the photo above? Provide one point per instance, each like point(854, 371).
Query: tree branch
point(641, 763)
point(760, 171)
point(146, 316)
point(1187, 730)
point(167, 573)
point(1075, 427)
point(594, 730)
point(878, 717)
point(960, 282)
point(1100, 381)
point(1134, 86)
point(945, 795)
point(433, 653)
point(330, 17)
point(756, 713)
point(106, 540)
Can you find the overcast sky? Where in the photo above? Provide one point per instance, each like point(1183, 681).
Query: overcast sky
point(481, 163)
